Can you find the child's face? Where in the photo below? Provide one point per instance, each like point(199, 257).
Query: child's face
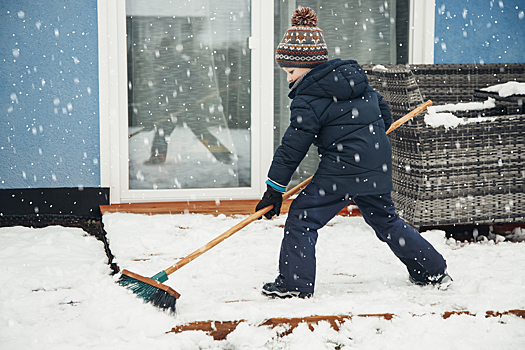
point(292, 73)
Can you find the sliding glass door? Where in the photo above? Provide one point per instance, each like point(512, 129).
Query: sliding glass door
point(190, 109)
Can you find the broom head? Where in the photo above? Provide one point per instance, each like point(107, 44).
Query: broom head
point(150, 291)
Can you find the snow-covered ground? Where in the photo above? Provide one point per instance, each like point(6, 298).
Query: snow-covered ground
point(56, 291)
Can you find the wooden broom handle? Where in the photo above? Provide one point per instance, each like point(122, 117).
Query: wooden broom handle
point(261, 212)
point(409, 116)
point(234, 229)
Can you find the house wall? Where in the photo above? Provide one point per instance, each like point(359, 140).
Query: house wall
point(49, 96)
point(479, 31)
point(49, 109)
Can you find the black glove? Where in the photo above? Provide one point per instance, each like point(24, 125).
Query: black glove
point(271, 197)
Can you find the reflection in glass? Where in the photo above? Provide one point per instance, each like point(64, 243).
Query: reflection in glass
point(188, 94)
point(370, 32)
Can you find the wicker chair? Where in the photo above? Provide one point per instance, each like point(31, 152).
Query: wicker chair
point(470, 174)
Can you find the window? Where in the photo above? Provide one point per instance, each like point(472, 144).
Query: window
point(185, 81)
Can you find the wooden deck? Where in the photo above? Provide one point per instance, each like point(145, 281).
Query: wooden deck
point(247, 207)
point(219, 330)
point(234, 207)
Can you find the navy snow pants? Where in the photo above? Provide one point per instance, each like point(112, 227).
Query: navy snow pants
point(310, 211)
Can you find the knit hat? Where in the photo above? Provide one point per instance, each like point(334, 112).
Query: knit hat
point(303, 45)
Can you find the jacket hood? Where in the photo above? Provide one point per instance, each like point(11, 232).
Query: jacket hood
point(337, 79)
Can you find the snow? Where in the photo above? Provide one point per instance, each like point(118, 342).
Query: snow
point(379, 67)
point(442, 115)
point(56, 291)
point(507, 89)
point(464, 106)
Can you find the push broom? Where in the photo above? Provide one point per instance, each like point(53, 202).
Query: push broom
point(152, 290)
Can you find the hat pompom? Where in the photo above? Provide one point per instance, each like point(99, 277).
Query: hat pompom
point(304, 16)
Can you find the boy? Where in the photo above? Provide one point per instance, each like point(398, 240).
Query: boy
point(336, 109)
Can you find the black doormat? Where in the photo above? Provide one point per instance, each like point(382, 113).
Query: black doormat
point(81, 201)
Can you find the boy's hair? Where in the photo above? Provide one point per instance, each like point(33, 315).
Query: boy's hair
point(303, 45)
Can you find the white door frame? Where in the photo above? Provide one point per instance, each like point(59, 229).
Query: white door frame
point(421, 31)
point(114, 114)
point(113, 99)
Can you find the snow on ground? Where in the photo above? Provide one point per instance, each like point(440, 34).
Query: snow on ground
point(56, 291)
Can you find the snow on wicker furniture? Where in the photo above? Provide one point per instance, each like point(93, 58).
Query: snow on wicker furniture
point(454, 83)
point(471, 173)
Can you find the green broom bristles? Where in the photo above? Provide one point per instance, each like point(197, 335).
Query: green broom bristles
point(150, 294)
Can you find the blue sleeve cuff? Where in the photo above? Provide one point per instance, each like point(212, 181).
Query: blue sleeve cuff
point(276, 186)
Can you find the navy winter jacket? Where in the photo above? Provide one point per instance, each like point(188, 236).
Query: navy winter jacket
point(336, 109)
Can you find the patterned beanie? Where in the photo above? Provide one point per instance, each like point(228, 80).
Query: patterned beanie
point(303, 45)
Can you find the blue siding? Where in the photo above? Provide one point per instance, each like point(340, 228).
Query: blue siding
point(478, 31)
point(49, 98)
point(49, 109)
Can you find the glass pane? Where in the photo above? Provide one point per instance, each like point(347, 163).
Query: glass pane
point(188, 93)
point(370, 32)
